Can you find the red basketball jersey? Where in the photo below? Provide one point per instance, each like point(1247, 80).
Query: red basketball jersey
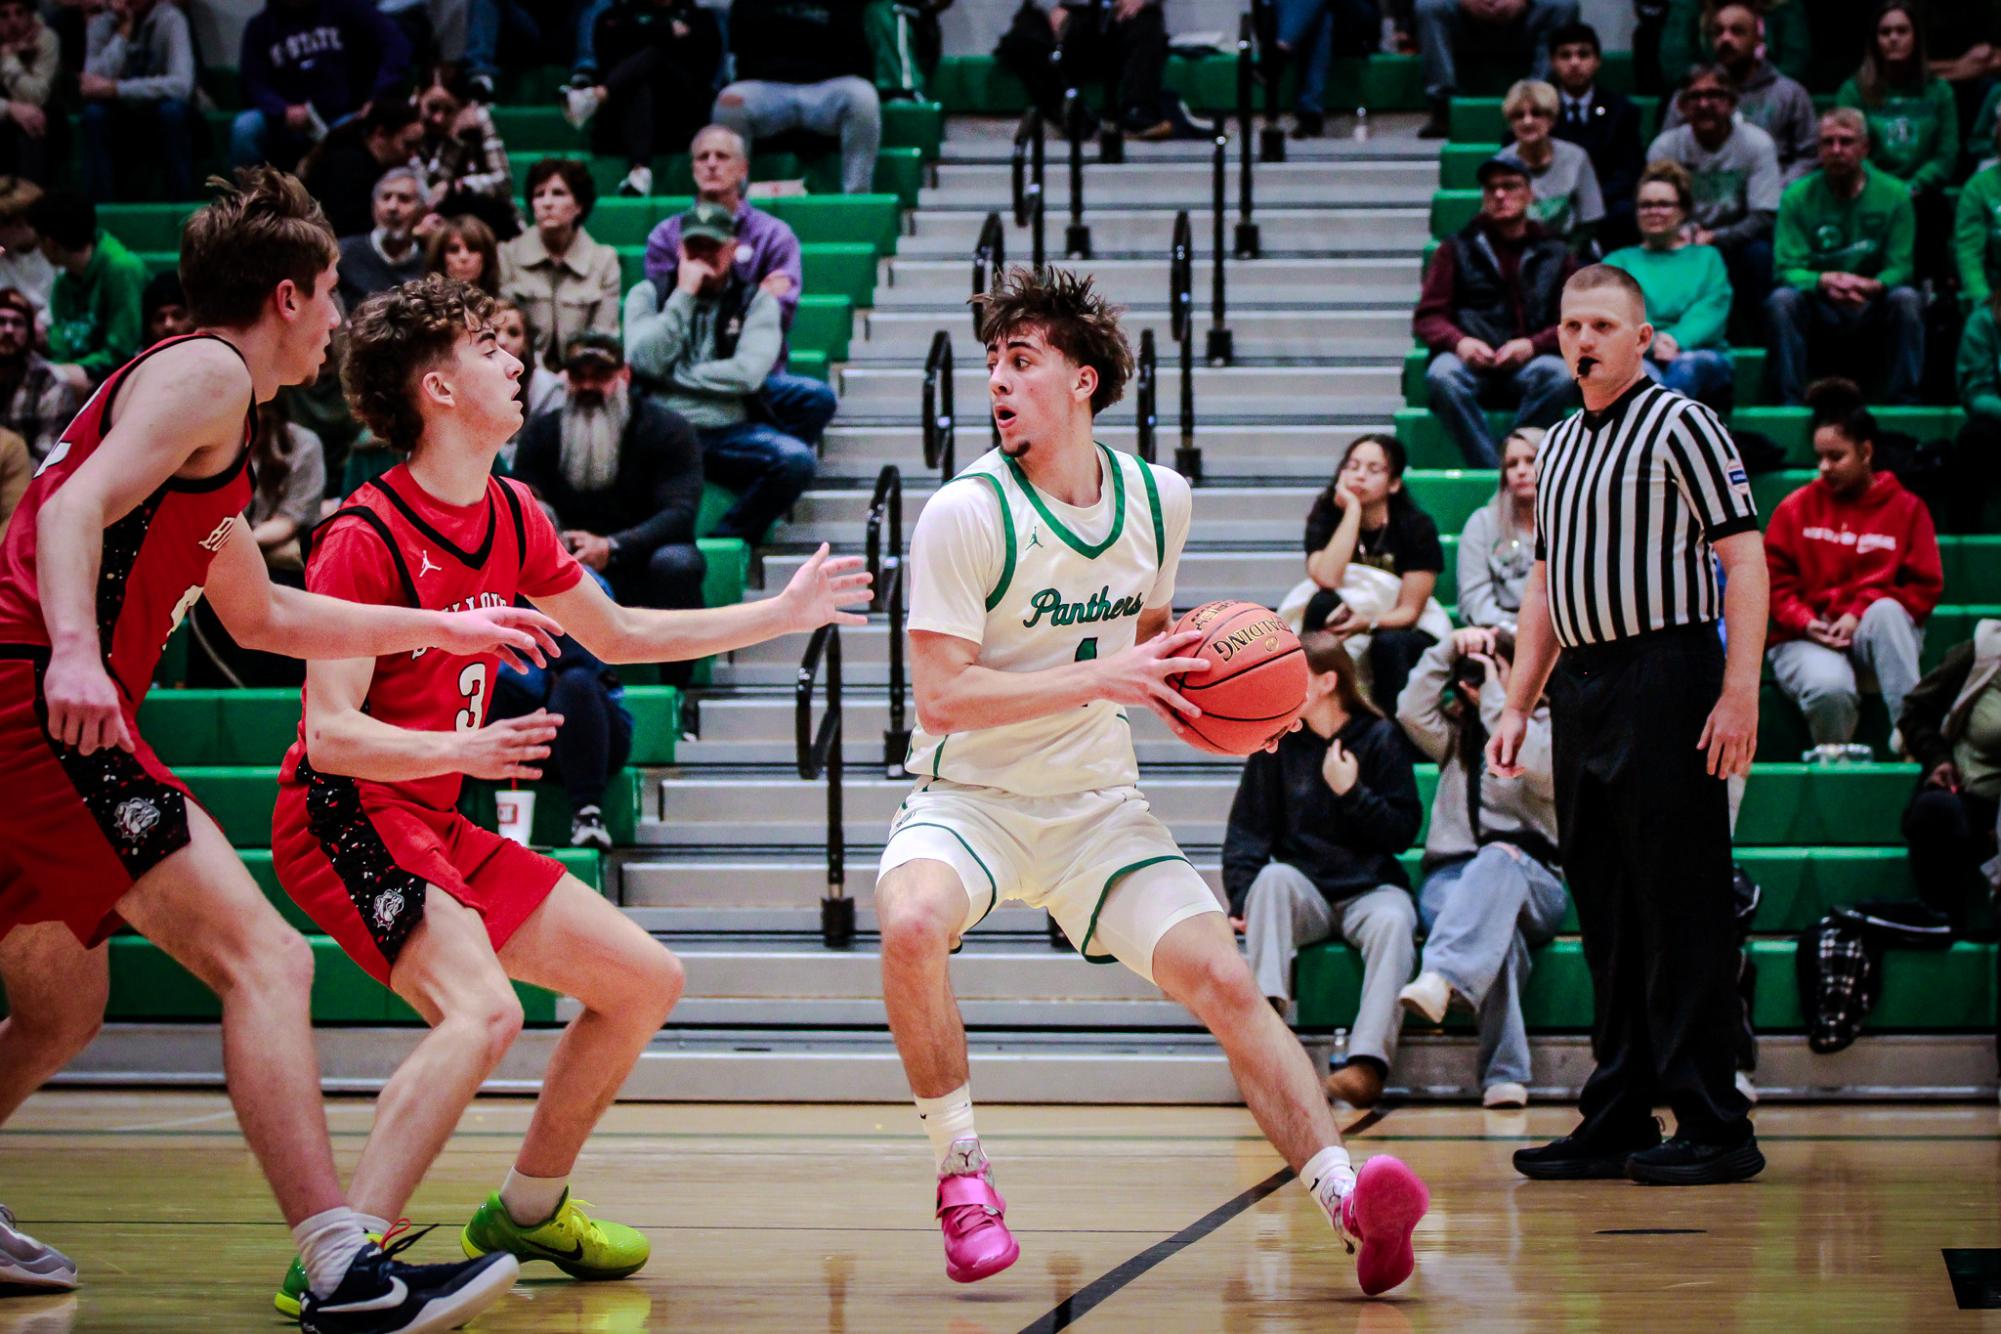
point(156, 558)
point(393, 543)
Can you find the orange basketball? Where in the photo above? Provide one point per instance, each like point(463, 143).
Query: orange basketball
point(1256, 682)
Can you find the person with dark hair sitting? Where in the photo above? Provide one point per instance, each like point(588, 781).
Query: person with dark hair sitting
point(1951, 724)
point(307, 65)
point(1444, 25)
point(1492, 888)
point(805, 67)
point(1488, 313)
point(1844, 263)
point(1372, 560)
point(1688, 291)
point(138, 86)
point(660, 85)
point(462, 155)
point(1601, 121)
point(94, 306)
point(163, 308)
point(30, 65)
point(1913, 131)
point(36, 403)
point(1733, 168)
point(1766, 97)
point(624, 477)
point(1311, 853)
point(1855, 572)
point(344, 168)
point(464, 248)
point(564, 280)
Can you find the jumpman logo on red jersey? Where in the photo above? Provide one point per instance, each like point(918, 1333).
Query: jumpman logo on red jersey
point(425, 567)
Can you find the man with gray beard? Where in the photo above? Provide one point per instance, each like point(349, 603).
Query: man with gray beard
point(624, 477)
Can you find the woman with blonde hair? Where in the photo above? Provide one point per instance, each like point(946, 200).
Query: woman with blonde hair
point(1497, 546)
point(1568, 202)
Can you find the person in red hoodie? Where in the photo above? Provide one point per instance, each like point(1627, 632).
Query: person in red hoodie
point(1855, 571)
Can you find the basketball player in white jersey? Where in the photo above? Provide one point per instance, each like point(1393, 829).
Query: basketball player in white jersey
point(1042, 587)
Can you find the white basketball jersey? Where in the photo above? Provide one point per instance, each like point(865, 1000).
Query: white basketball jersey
point(1037, 584)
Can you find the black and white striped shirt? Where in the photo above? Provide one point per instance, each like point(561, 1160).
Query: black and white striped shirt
point(1628, 503)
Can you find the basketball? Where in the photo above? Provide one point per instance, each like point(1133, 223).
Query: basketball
point(1256, 682)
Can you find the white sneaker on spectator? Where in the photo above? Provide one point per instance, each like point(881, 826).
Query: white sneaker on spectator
point(638, 181)
point(1430, 995)
point(1746, 1087)
point(1504, 1096)
point(587, 829)
point(579, 105)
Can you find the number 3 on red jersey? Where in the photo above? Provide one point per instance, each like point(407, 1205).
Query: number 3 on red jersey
point(472, 684)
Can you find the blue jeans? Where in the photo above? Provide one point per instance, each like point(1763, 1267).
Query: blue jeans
point(254, 138)
point(846, 108)
point(767, 468)
point(798, 405)
point(164, 127)
point(486, 21)
point(1480, 917)
point(1888, 327)
point(1542, 388)
point(1705, 375)
point(587, 35)
point(1441, 26)
point(1306, 31)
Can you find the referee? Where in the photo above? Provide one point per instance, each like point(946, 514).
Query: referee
point(1637, 493)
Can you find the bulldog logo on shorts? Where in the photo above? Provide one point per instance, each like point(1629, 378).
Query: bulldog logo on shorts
point(135, 818)
point(388, 905)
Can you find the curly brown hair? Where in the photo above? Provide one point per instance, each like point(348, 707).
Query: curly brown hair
point(1072, 317)
point(397, 336)
point(261, 228)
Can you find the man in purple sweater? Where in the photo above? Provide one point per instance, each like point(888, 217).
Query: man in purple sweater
point(306, 65)
point(767, 253)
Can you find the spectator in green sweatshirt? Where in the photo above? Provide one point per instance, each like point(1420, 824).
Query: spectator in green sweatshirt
point(94, 307)
point(1687, 289)
point(1913, 122)
point(1842, 255)
point(1976, 232)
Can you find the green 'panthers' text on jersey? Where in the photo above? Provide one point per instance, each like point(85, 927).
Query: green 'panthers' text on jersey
point(1037, 584)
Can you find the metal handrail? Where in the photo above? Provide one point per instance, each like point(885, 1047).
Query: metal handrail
point(1181, 308)
point(1271, 140)
point(1248, 243)
point(1220, 349)
point(818, 754)
point(1145, 394)
point(940, 424)
point(1027, 170)
point(989, 258)
point(1076, 236)
point(885, 507)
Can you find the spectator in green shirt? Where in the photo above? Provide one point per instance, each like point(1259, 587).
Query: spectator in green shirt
point(1842, 259)
point(1976, 232)
point(1687, 290)
point(94, 307)
point(1913, 120)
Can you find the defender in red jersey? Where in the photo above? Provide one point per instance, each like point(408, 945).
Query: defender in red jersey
point(134, 515)
point(366, 839)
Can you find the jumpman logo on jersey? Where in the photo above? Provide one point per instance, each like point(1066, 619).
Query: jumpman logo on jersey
point(1035, 536)
point(425, 567)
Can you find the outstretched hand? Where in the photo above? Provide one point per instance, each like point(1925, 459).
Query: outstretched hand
point(823, 588)
point(519, 634)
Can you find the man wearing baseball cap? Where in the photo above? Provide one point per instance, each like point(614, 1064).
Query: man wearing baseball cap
point(1488, 313)
point(703, 349)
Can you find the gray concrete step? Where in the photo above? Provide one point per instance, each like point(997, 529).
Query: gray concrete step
point(1305, 284)
point(1223, 393)
point(904, 336)
point(952, 233)
point(1245, 513)
point(1392, 183)
point(1205, 576)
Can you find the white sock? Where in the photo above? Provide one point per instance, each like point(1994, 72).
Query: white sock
point(531, 1200)
point(1328, 1177)
point(328, 1243)
point(372, 1225)
point(947, 1119)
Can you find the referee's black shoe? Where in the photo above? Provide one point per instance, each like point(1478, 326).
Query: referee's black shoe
point(1686, 1162)
point(1574, 1158)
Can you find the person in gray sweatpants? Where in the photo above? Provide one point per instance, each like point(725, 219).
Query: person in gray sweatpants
point(1491, 887)
point(1311, 853)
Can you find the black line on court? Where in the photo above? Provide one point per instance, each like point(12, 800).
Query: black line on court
point(1093, 1294)
point(1976, 1278)
point(1652, 1232)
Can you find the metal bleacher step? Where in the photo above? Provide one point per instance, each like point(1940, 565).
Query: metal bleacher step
point(942, 233)
point(1393, 183)
point(1327, 283)
point(1248, 513)
point(1230, 392)
point(857, 448)
point(1264, 331)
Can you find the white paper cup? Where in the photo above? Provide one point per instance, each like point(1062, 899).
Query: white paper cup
point(514, 812)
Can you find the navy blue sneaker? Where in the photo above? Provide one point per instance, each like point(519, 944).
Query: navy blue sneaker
point(381, 1295)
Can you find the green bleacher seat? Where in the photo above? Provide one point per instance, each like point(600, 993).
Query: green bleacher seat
point(1923, 991)
point(1451, 210)
point(1748, 363)
point(1451, 495)
point(824, 322)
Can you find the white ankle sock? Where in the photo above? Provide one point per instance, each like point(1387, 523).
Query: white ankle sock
point(328, 1243)
point(946, 1119)
point(531, 1200)
point(1328, 1176)
point(370, 1224)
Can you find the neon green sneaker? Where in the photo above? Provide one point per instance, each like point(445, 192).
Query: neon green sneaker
point(293, 1290)
point(579, 1245)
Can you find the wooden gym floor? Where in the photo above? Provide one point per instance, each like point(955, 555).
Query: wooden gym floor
point(1154, 1219)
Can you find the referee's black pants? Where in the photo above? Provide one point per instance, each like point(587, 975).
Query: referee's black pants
point(1646, 847)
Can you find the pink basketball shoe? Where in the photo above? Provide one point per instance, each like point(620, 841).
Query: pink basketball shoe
point(971, 1213)
point(1380, 1213)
